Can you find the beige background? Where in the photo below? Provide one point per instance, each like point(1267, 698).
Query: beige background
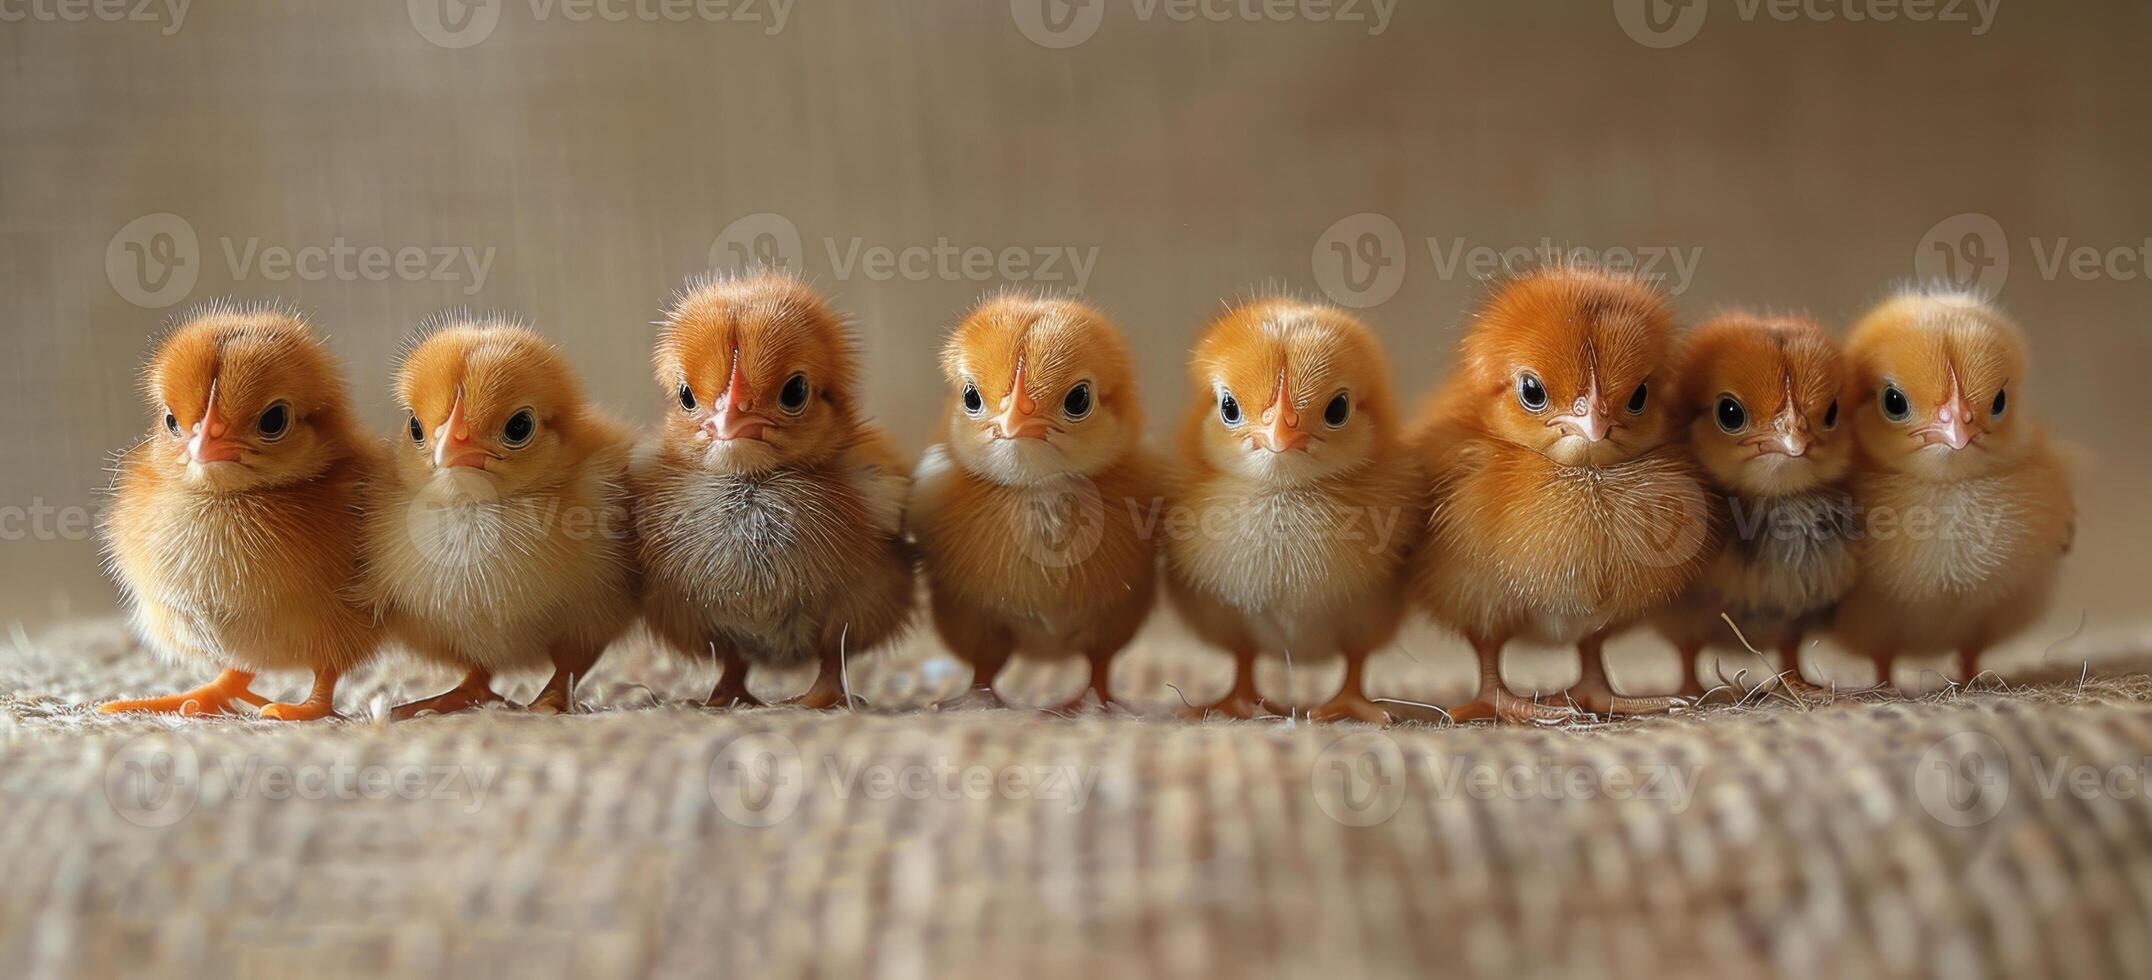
point(1802, 162)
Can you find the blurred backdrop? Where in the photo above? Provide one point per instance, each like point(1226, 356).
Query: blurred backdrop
point(572, 161)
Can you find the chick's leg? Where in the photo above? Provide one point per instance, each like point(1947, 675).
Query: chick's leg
point(213, 698)
point(1243, 701)
point(319, 704)
point(1691, 685)
point(731, 688)
point(1789, 654)
point(1102, 676)
point(1595, 690)
point(828, 690)
point(1496, 703)
point(476, 689)
point(572, 661)
point(1351, 703)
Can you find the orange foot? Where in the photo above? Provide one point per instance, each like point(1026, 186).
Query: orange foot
point(1621, 704)
point(1241, 706)
point(308, 710)
point(730, 694)
point(1351, 707)
point(213, 698)
point(458, 699)
point(1510, 709)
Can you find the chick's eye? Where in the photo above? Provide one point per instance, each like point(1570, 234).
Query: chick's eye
point(1531, 393)
point(274, 422)
point(1895, 406)
point(418, 432)
point(1636, 399)
point(1339, 409)
point(687, 397)
point(2000, 403)
point(1228, 409)
point(171, 423)
point(973, 404)
point(1830, 415)
point(1732, 417)
point(793, 396)
point(1077, 403)
point(517, 432)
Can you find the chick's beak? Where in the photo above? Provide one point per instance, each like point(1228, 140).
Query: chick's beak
point(1588, 418)
point(1789, 436)
point(1953, 422)
point(1281, 432)
point(452, 445)
point(211, 441)
point(733, 417)
point(1019, 417)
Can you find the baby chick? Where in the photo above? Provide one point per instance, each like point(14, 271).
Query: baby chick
point(1764, 396)
point(1561, 506)
point(1966, 505)
point(234, 526)
point(1026, 518)
point(769, 510)
point(1293, 509)
point(503, 538)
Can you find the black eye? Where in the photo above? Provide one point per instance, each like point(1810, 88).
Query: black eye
point(1830, 415)
point(973, 404)
point(275, 421)
point(1636, 399)
point(418, 432)
point(1895, 407)
point(519, 429)
point(1732, 417)
point(1531, 394)
point(1339, 409)
point(1077, 403)
point(793, 396)
point(2001, 403)
point(1228, 408)
point(171, 423)
point(687, 397)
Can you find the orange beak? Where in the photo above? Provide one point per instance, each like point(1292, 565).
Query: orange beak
point(210, 441)
point(452, 445)
point(733, 416)
point(1588, 417)
point(1281, 432)
point(1789, 434)
point(1953, 422)
point(1019, 417)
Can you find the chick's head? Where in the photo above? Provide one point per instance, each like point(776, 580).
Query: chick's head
point(1044, 388)
point(491, 406)
point(1289, 393)
point(246, 398)
point(1937, 379)
point(760, 373)
point(1765, 395)
point(1571, 362)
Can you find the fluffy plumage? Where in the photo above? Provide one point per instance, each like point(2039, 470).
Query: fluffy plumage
point(1560, 506)
point(234, 525)
point(1966, 505)
point(1030, 516)
point(1292, 509)
point(770, 511)
point(504, 538)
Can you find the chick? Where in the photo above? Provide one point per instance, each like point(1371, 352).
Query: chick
point(502, 539)
point(1027, 518)
point(1560, 505)
point(1293, 509)
point(234, 525)
point(1966, 505)
point(1765, 396)
point(770, 511)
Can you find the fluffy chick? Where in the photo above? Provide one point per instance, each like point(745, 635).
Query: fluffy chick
point(1027, 517)
point(1561, 506)
point(770, 511)
point(234, 525)
point(1966, 505)
point(1765, 396)
point(503, 539)
point(1293, 507)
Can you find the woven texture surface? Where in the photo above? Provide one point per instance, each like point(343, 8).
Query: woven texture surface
point(1954, 834)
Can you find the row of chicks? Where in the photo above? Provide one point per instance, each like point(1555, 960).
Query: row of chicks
point(1585, 469)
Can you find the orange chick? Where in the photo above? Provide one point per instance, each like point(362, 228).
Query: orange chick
point(1561, 505)
point(770, 511)
point(1026, 518)
point(502, 539)
point(1966, 506)
point(1765, 396)
point(1294, 505)
point(234, 525)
